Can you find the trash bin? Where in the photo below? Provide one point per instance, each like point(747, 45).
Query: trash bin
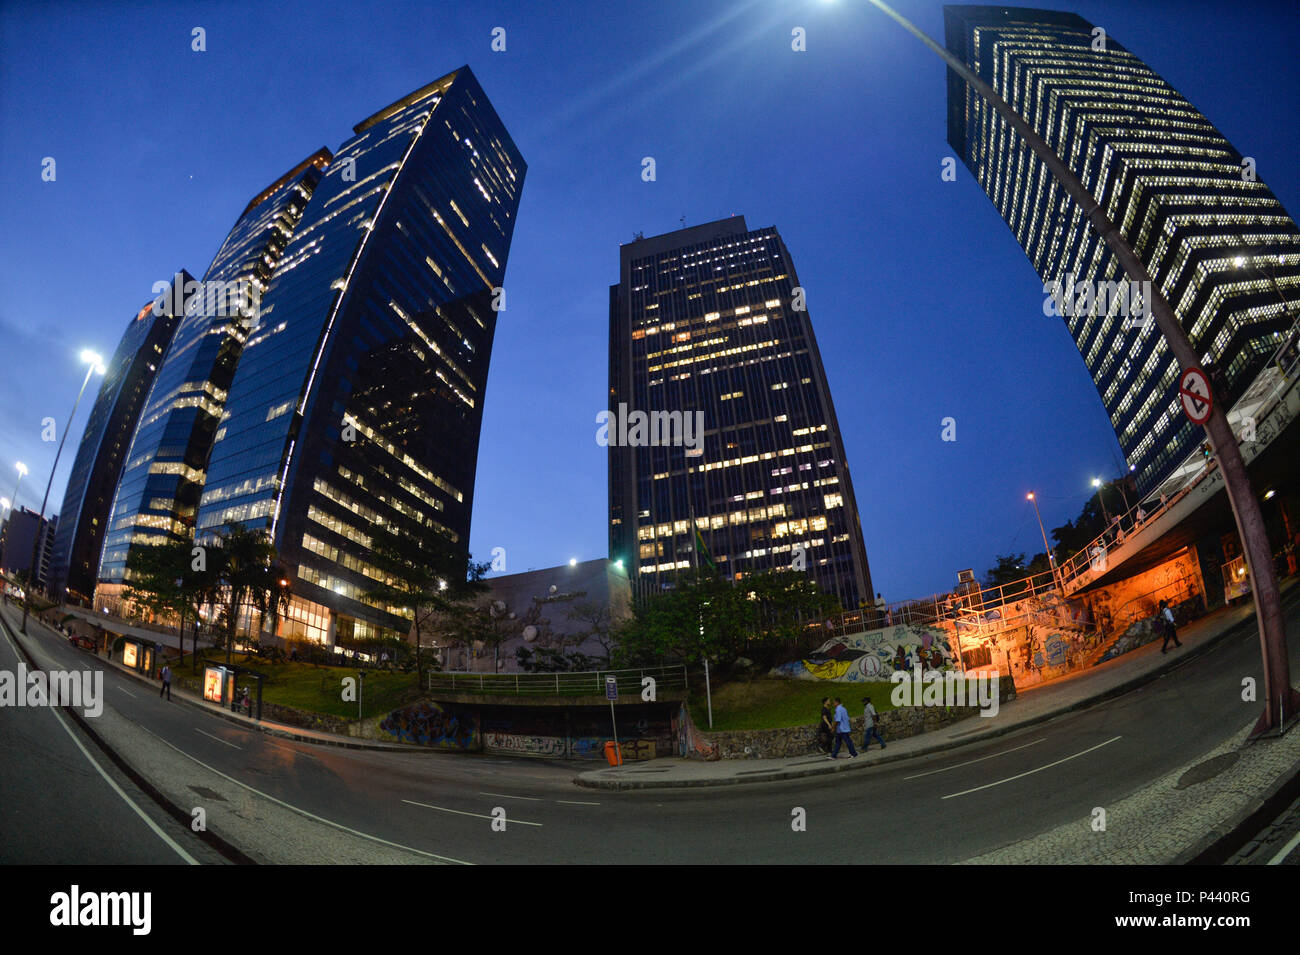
point(613, 755)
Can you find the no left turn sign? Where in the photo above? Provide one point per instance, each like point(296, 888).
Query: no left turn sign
point(1194, 392)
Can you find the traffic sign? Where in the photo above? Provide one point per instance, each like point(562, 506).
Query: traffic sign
point(611, 688)
point(1196, 396)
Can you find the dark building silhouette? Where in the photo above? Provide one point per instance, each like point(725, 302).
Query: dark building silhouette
point(708, 325)
point(18, 544)
point(1213, 237)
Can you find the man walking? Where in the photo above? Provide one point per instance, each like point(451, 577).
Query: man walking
point(825, 729)
point(869, 728)
point(1166, 617)
point(166, 681)
point(842, 731)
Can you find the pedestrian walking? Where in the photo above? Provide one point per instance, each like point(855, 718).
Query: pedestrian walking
point(166, 681)
point(825, 729)
point(1166, 618)
point(842, 731)
point(869, 728)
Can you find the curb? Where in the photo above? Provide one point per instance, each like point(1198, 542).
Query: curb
point(279, 730)
point(761, 776)
point(1224, 841)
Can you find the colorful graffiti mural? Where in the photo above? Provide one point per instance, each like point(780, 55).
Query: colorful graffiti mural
point(873, 655)
point(428, 724)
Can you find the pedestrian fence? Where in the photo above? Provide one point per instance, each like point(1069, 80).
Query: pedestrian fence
point(630, 682)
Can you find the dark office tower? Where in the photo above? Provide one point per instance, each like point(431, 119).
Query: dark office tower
point(158, 495)
point(711, 320)
point(1213, 237)
point(18, 544)
point(112, 421)
point(357, 402)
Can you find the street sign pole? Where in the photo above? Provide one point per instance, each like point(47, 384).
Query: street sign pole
point(611, 693)
point(1280, 698)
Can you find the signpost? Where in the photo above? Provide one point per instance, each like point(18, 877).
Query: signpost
point(611, 694)
point(1195, 394)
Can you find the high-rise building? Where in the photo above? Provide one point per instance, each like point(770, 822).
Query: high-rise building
point(1214, 238)
point(708, 326)
point(158, 494)
point(18, 544)
point(357, 401)
point(102, 451)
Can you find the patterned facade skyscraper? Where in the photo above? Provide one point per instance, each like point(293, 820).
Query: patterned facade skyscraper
point(100, 455)
point(158, 495)
point(1214, 238)
point(708, 326)
point(357, 401)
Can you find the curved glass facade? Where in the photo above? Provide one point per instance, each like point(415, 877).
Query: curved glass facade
point(378, 320)
point(158, 495)
point(88, 499)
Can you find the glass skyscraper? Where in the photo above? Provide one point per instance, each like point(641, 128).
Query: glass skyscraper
point(1214, 238)
point(357, 401)
point(710, 321)
point(100, 455)
point(158, 495)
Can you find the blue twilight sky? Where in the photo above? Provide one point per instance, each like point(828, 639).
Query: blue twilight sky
point(923, 304)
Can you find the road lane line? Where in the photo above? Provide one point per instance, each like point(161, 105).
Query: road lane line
point(1031, 772)
point(508, 796)
point(1286, 850)
point(290, 749)
point(577, 802)
point(189, 859)
point(476, 815)
point(218, 739)
point(971, 761)
point(302, 812)
point(125, 690)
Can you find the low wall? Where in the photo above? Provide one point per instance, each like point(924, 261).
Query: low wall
point(894, 724)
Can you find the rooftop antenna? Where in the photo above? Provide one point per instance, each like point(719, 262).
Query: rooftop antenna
point(682, 220)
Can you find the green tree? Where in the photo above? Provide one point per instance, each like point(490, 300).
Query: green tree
point(242, 563)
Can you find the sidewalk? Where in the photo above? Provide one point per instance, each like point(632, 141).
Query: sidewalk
point(270, 727)
point(1034, 705)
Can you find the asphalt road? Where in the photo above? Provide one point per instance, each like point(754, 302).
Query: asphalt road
point(936, 809)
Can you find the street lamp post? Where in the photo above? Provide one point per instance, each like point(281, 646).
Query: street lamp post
point(1280, 698)
point(96, 365)
point(1051, 560)
point(22, 470)
point(1096, 482)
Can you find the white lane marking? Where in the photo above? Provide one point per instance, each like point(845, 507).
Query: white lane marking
point(1286, 850)
point(125, 690)
point(189, 859)
point(303, 812)
point(508, 796)
point(476, 815)
point(577, 802)
point(1031, 772)
point(970, 761)
point(218, 739)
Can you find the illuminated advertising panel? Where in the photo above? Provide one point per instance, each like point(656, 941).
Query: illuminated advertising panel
point(130, 653)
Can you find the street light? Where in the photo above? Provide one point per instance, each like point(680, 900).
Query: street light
point(22, 470)
point(1096, 482)
point(1280, 698)
point(1051, 561)
point(96, 365)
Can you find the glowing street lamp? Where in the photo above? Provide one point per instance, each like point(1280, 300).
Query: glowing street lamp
point(1051, 560)
point(22, 470)
point(1096, 482)
point(96, 366)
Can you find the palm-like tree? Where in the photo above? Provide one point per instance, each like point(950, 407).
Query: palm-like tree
point(243, 561)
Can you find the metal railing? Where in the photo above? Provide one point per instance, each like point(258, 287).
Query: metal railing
point(1287, 360)
point(582, 683)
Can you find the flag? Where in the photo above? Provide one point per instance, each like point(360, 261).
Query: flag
point(703, 551)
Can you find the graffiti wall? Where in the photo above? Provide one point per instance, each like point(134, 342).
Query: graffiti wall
point(442, 726)
point(873, 655)
point(1032, 639)
point(644, 732)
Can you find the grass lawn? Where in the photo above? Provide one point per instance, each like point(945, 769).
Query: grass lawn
point(318, 689)
point(769, 703)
